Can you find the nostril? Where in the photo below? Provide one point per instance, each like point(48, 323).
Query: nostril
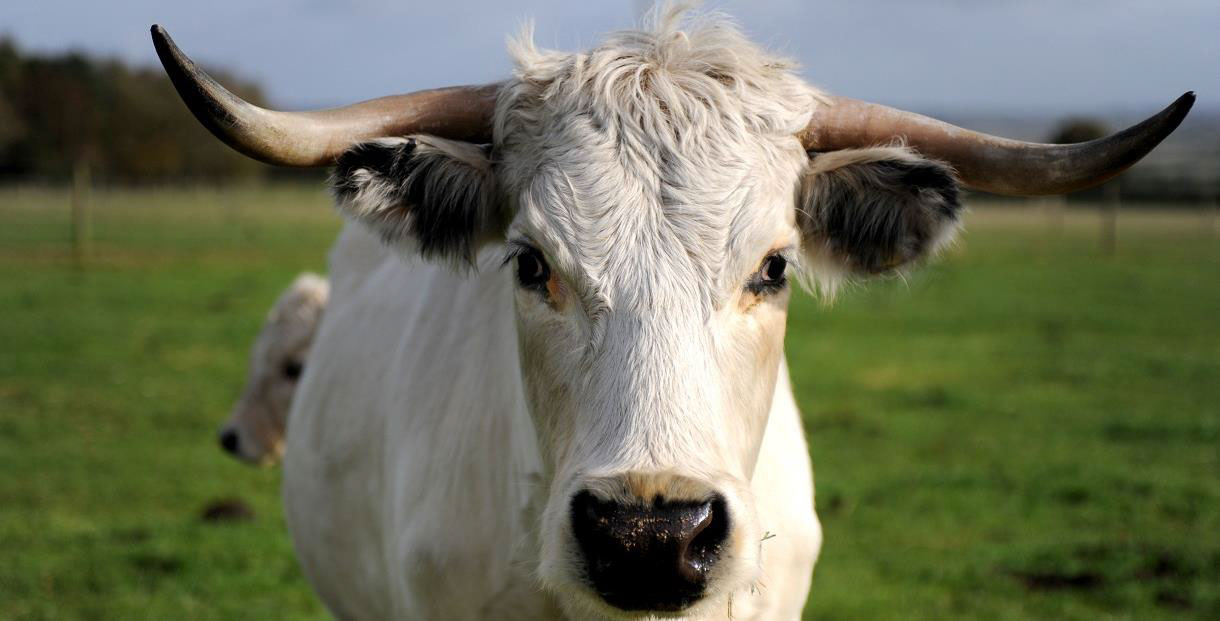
point(653, 556)
point(229, 440)
point(705, 538)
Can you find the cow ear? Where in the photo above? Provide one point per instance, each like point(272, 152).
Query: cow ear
point(429, 194)
point(871, 211)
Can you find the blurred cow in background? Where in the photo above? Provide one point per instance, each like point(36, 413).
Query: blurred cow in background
point(255, 430)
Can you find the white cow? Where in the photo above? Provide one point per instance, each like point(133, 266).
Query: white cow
point(255, 430)
point(602, 429)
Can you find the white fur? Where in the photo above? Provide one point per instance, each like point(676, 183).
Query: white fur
point(413, 477)
point(656, 173)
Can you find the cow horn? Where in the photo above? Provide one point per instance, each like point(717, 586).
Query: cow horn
point(317, 137)
point(990, 163)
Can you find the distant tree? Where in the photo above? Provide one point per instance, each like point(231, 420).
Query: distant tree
point(12, 126)
point(1078, 129)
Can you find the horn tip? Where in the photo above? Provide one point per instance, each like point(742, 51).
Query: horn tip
point(161, 40)
point(1178, 110)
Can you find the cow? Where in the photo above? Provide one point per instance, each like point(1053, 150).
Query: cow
point(550, 382)
point(254, 432)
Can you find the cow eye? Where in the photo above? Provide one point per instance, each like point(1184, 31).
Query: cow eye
point(770, 276)
point(532, 270)
point(773, 268)
point(292, 369)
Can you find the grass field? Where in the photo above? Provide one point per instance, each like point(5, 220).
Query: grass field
point(1025, 430)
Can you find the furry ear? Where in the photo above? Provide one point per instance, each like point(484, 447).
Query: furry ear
point(872, 211)
point(303, 300)
point(437, 194)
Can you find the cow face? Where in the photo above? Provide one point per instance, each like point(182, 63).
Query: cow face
point(653, 206)
point(255, 430)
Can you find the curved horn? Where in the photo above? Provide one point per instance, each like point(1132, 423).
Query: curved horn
point(989, 163)
point(316, 138)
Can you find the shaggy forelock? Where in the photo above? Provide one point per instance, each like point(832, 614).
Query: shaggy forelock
point(696, 73)
point(646, 149)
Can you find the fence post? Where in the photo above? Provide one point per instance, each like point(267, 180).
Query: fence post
point(82, 224)
point(1109, 217)
point(1054, 207)
point(1210, 210)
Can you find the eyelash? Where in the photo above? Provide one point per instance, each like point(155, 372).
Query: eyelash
point(515, 249)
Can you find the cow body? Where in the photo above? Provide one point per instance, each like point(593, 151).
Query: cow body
point(413, 481)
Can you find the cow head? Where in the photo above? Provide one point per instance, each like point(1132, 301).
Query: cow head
point(653, 198)
point(255, 430)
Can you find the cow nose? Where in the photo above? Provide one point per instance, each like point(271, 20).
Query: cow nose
point(229, 440)
point(653, 557)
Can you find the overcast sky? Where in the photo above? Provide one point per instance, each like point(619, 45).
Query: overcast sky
point(1042, 56)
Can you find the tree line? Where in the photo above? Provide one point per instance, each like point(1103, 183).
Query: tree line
point(127, 124)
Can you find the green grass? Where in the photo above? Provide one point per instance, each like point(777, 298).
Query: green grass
point(1024, 430)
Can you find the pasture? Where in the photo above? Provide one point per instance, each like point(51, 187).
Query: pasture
point(1025, 429)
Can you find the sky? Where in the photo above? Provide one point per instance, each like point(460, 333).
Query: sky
point(992, 56)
